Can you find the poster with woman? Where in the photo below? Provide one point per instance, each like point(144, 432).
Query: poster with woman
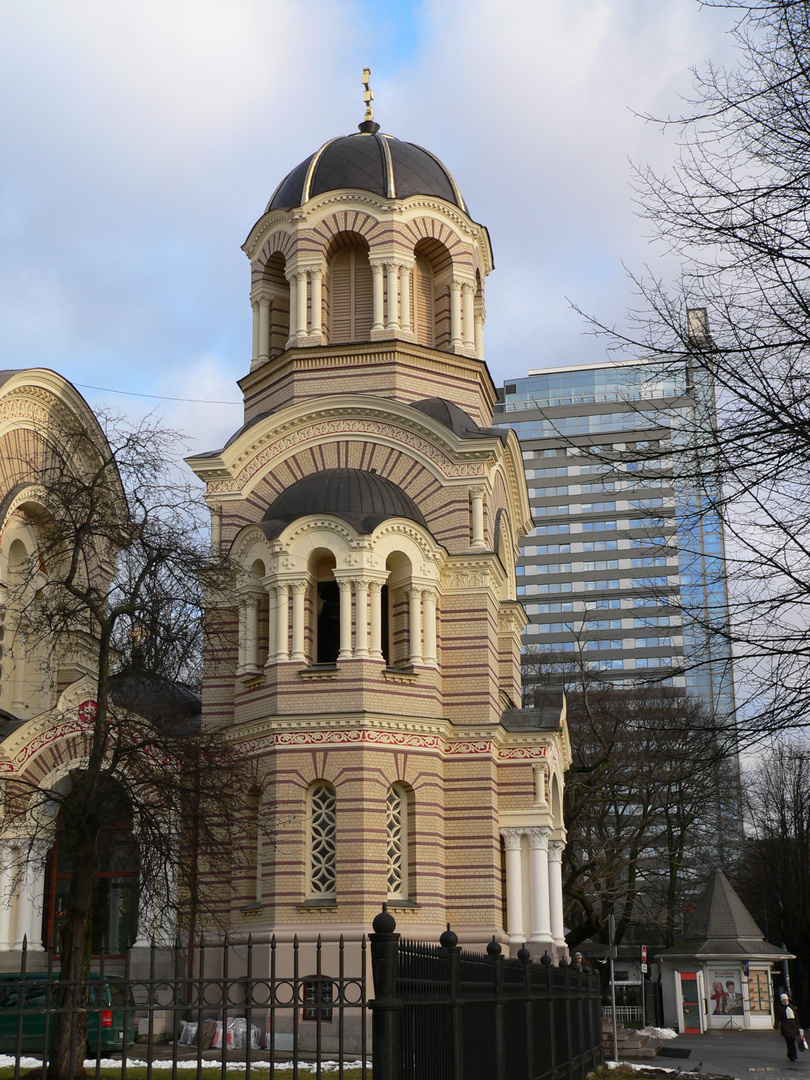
point(726, 995)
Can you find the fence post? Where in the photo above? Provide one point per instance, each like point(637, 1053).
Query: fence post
point(449, 941)
point(385, 1006)
point(494, 950)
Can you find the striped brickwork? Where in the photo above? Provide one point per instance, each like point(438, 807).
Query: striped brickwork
point(428, 717)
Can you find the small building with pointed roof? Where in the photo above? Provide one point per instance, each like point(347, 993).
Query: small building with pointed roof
point(720, 974)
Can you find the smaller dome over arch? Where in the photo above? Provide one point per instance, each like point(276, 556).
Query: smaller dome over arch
point(361, 498)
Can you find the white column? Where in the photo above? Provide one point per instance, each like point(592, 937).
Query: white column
point(216, 529)
point(251, 657)
point(415, 624)
point(429, 617)
point(272, 616)
point(375, 620)
point(299, 592)
point(316, 332)
point(293, 281)
point(361, 618)
point(514, 887)
point(405, 298)
point(264, 328)
point(254, 304)
point(455, 314)
point(6, 883)
point(477, 518)
point(345, 588)
point(467, 297)
point(242, 651)
point(282, 622)
point(479, 334)
point(555, 890)
point(301, 303)
point(377, 296)
point(538, 875)
point(539, 776)
point(29, 901)
point(393, 297)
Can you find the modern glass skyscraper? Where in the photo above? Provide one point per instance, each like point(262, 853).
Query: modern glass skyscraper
point(625, 566)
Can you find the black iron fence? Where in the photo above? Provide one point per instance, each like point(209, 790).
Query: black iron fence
point(438, 1012)
point(445, 1014)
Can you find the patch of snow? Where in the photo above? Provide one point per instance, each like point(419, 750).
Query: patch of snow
point(659, 1033)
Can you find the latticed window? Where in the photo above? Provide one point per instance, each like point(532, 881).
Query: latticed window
point(397, 838)
point(322, 850)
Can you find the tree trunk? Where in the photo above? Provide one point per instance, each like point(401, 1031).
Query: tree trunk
point(68, 1042)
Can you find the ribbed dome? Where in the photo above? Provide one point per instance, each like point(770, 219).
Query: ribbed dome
point(370, 161)
point(361, 498)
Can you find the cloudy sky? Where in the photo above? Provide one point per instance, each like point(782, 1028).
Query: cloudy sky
point(140, 142)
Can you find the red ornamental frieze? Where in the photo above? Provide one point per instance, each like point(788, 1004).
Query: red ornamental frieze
point(399, 739)
point(77, 726)
point(344, 738)
point(357, 427)
point(522, 753)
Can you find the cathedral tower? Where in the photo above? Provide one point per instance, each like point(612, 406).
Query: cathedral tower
point(373, 665)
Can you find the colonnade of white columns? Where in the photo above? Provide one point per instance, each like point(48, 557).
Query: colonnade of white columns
point(360, 622)
point(391, 309)
point(541, 918)
point(22, 891)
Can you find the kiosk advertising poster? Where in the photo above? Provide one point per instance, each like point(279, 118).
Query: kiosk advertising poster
point(726, 992)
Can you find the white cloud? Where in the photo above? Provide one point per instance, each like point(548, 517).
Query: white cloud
point(142, 141)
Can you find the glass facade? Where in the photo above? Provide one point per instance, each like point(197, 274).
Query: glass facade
point(640, 541)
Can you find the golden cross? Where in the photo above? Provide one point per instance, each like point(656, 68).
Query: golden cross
point(368, 94)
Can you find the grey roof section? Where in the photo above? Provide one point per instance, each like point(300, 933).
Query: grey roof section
point(545, 718)
point(722, 926)
point(8, 373)
point(369, 161)
point(362, 498)
point(457, 420)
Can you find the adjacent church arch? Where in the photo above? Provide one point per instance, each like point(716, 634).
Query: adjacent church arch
point(349, 289)
point(114, 926)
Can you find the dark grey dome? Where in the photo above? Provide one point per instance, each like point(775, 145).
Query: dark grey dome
point(363, 499)
point(370, 161)
point(457, 420)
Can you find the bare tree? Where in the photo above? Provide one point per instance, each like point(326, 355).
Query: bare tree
point(651, 799)
point(735, 209)
point(774, 877)
point(117, 579)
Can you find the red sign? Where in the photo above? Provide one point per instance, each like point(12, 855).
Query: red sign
point(644, 954)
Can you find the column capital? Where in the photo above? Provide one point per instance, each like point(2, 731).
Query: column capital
point(467, 287)
point(555, 850)
point(538, 836)
point(317, 272)
point(477, 492)
point(512, 838)
point(456, 286)
point(299, 586)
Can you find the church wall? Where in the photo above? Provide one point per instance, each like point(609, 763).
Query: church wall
point(401, 371)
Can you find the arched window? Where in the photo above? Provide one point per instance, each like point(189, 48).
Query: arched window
point(326, 606)
point(424, 308)
point(321, 845)
point(350, 295)
point(115, 885)
point(253, 841)
point(396, 832)
point(279, 289)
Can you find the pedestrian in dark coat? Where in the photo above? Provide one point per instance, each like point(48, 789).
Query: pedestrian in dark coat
point(788, 1023)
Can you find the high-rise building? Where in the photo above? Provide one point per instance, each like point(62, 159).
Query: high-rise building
point(624, 569)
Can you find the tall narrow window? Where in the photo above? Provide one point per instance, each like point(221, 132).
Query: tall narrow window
point(397, 842)
point(423, 302)
point(350, 296)
point(322, 876)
